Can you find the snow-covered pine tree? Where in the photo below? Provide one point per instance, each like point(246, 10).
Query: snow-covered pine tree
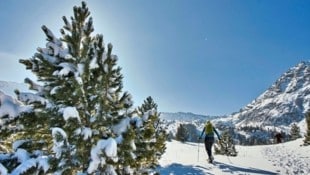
point(307, 135)
point(295, 132)
point(151, 136)
point(226, 145)
point(79, 121)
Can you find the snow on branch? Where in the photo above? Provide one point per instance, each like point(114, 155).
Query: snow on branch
point(85, 131)
point(3, 170)
point(21, 155)
point(30, 98)
point(65, 69)
point(11, 107)
point(108, 147)
point(41, 163)
point(70, 112)
point(122, 126)
point(60, 140)
point(34, 86)
point(51, 36)
point(18, 143)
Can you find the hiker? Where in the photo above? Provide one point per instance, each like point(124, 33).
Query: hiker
point(209, 131)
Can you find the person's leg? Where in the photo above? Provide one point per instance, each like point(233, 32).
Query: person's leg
point(208, 143)
point(207, 146)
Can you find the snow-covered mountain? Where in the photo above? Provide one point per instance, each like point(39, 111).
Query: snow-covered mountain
point(285, 102)
point(173, 120)
point(185, 116)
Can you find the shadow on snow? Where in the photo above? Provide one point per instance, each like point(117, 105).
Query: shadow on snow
point(179, 169)
point(230, 169)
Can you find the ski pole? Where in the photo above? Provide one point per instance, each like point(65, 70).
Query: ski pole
point(198, 151)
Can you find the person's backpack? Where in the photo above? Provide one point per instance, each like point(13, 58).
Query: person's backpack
point(209, 128)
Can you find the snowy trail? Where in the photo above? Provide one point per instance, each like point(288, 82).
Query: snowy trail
point(183, 159)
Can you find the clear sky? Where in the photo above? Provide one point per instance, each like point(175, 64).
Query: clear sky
point(204, 56)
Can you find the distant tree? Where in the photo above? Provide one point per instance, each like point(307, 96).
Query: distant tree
point(295, 132)
point(182, 133)
point(192, 132)
point(307, 135)
point(226, 145)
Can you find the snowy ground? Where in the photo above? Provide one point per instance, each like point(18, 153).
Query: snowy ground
point(288, 158)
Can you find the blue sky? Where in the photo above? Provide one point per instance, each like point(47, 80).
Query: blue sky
point(206, 57)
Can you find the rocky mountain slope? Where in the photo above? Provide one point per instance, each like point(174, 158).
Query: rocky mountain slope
point(285, 102)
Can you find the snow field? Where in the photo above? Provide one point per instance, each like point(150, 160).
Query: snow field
point(288, 158)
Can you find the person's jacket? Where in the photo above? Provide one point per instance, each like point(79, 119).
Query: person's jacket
point(208, 135)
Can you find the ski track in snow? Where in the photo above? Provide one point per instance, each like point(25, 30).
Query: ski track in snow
point(288, 161)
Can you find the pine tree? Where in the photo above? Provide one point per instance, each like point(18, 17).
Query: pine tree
point(226, 146)
point(151, 137)
point(79, 121)
point(182, 133)
point(307, 135)
point(295, 132)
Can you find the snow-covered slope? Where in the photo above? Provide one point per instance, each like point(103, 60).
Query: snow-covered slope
point(286, 101)
point(190, 158)
point(9, 87)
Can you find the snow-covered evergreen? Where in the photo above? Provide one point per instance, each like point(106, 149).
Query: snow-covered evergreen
point(76, 119)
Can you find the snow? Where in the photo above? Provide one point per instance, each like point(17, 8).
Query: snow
point(26, 165)
point(66, 69)
point(138, 121)
point(58, 144)
point(31, 98)
point(43, 163)
point(3, 170)
point(87, 133)
point(109, 147)
point(10, 106)
point(18, 143)
point(122, 126)
point(8, 88)
point(93, 63)
point(191, 158)
point(70, 112)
